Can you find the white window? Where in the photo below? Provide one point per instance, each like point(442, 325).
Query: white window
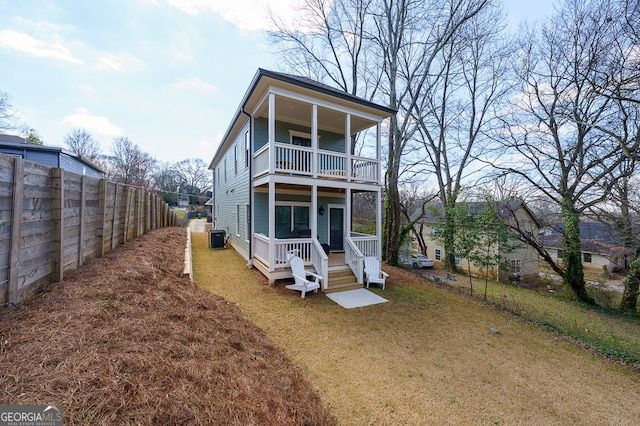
point(247, 221)
point(515, 266)
point(457, 260)
point(238, 220)
point(438, 254)
point(246, 149)
point(436, 232)
point(235, 158)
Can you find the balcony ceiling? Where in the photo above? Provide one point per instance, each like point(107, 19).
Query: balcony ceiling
point(297, 112)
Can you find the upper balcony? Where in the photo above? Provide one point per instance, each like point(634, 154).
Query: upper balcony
point(302, 136)
point(301, 161)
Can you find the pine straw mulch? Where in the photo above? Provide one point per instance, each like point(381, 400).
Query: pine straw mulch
point(127, 340)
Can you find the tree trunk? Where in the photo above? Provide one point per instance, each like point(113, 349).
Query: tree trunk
point(572, 254)
point(629, 301)
point(449, 236)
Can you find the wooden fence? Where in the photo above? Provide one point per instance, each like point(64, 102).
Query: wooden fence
point(52, 221)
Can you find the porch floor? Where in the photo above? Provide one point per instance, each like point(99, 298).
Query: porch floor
point(336, 259)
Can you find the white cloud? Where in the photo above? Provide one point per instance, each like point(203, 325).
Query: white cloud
point(250, 15)
point(32, 46)
point(120, 62)
point(82, 118)
point(193, 83)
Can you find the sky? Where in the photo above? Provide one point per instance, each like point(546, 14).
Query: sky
point(167, 74)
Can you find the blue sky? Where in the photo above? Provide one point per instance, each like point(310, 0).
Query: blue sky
point(168, 74)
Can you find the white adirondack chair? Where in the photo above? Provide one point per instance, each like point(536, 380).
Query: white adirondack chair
point(373, 273)
point(300, 275)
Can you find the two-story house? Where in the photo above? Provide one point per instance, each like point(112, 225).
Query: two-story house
point(286, 172)
point(523, 259)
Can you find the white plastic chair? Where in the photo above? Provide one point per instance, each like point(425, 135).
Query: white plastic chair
point(300, 275)
point(373, 273)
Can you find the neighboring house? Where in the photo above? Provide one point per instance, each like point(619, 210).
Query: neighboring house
point(48, 156)
point(601, 246)
point(523, 260)
point(284, 176)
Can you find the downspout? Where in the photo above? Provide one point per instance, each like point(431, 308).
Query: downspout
point(250, 262)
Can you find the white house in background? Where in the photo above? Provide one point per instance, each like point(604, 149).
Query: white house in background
point(285, 177)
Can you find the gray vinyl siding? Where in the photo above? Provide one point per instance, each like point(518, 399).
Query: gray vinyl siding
point(233, 190)
point(328, 140)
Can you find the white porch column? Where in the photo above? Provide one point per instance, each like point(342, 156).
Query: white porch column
point(347, 145)
point(272, 225)
point(347, 213)
point(313, 216)
point(314, 139)
point(378, 143)
point(379, 222)
point(272, 132)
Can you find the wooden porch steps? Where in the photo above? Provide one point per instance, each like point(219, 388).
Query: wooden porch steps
point(341, 279)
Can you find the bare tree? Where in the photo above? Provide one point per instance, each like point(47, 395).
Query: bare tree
point(168, 180)
point(195, 175)
point(410, 36)
point(80, 142)
point(467, 82)
point(6, 113)
point(554, 133)
point(128, 164)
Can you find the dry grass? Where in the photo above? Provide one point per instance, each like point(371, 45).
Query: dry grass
point(127, 340)
point(426, 357)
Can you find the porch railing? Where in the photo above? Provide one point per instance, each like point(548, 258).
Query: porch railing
point(309, 250)
point(367, 244)
point(354, 258)
point(320, 261)
point(299, 160)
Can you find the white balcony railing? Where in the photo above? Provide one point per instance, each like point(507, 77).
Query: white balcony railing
point(298, 160)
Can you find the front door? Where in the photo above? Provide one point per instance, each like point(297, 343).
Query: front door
point(336, 228)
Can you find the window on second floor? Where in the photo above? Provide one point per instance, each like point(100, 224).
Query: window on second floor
point(300, 138)
point(235, 158)
point(586, 257)
point(515, 266)
point(436, 232)
point(246, 149)
point(437, 254)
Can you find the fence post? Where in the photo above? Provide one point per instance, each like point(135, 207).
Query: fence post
point(57, 214)
point(103, 214)
point(138, 211)
point(113, 218)
point(127, 211)
point(16, 228)
point(83, 201)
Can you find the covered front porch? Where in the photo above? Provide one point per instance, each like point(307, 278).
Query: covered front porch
point(315, 223)
point(339, 269)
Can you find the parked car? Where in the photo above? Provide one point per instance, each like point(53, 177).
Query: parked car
point(418, 261)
